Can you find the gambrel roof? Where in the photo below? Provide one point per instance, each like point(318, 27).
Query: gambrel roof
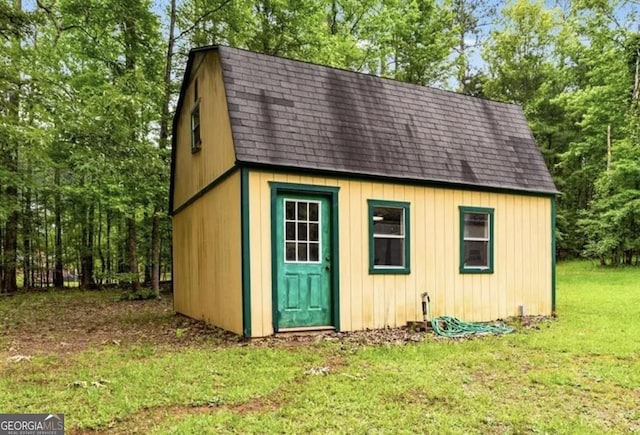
point(296, 115)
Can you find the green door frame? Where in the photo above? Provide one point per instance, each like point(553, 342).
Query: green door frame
point(331, 193)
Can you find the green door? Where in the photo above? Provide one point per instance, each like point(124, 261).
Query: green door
point(303, 263)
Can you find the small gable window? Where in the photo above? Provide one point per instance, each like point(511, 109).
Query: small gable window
point(388, 237)
point(196, 140)
point(476, 240)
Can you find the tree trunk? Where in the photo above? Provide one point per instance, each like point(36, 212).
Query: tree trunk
point(100, 251)
point(109, 264)
point(133, 253)
point(45, 225)
point(86, 256)
point(58, 277)
point(27, 261)
point(155, 254)
point(9, 158)
point(9, 278)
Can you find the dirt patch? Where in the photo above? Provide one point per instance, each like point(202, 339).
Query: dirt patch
point(75, 324)
point(78, 321)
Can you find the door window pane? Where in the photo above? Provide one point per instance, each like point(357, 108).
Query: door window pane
point(291, 231)
point(314, 252)
point(302, 210)
point(302, 251)
point(290, 213)
point(314, 235)
point(290, 251)
point(313, 212)
point(302, 231)
point(302, 225)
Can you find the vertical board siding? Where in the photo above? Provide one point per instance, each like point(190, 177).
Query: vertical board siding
point(522, 255)
point(217, 154)
point(208, 258)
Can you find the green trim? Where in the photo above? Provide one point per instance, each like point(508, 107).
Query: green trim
point(229, 172)
point(395, 180)
point(470, 270)
point(246, 255)
point(553, 254)
point(406, 269)
point(278, 188)
point(335, 254)
point(274, 257)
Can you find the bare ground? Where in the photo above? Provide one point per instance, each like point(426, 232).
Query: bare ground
point(89, 320)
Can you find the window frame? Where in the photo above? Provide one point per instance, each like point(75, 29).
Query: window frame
point(308, 222)
point(390, 270)
point(490, 257)
point(195, 147)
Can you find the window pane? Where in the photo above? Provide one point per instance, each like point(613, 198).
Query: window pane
point(196, 136)
point(314, 252)
point(313, 211)
point(476, 254)
point(195, 127)
point(290, 230)
point(290, 207)
point(476, 225)
point(313, 233)
point(290, 249)
point(388, 220)
point(302, 251)
point(388, 252)
point(302, 211)
point(302, 231)
point(195, 117)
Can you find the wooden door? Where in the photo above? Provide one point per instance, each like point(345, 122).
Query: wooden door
point(303, 236)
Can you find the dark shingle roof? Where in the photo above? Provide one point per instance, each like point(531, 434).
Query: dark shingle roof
point(299, 115)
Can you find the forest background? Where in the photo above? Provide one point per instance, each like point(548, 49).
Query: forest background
point(88, 88)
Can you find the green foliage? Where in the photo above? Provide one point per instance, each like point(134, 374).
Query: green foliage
point(574, 72)
point(82, 162)
point(139, 295)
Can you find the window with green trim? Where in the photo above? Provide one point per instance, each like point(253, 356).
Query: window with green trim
point(476, 240)
point(388, 236)
point(196, 140)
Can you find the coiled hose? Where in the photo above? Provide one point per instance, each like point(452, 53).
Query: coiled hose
point(453, 327)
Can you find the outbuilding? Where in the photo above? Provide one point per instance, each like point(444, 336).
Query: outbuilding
point(306, 197)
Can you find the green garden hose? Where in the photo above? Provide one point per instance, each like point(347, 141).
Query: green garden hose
point(452, 327)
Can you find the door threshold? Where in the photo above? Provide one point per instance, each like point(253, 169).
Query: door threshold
point(306, 329)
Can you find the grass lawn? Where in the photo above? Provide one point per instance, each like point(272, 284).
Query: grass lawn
point(124, 367)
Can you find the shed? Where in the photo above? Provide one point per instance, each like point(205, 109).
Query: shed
point(306, 197)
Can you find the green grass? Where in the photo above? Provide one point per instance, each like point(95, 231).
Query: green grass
point(578, 374)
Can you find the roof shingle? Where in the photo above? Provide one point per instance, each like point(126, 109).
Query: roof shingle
point(295, 114)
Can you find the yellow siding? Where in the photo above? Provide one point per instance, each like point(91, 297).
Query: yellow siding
point(196, 170)
point(522, 255)
point(207, 257)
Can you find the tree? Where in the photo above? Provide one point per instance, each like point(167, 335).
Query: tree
point(14, 25)
point(611, 225)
